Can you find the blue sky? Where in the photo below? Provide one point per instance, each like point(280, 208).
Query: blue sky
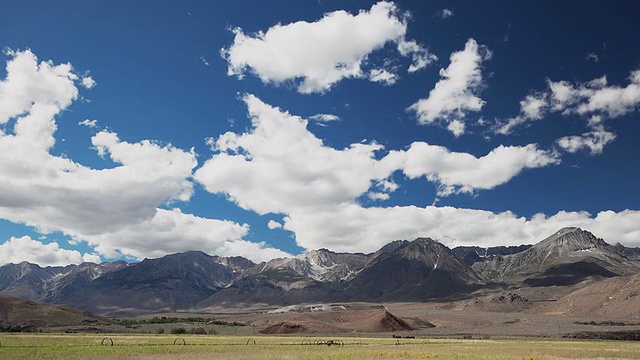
point(132, 130)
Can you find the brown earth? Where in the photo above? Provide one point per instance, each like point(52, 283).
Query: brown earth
point(613, 298)
point(611, 305)
point(17, 311)
point(344, 321)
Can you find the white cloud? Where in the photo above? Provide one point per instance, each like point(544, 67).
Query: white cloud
point(378, 196)
point(350, 227)
point(388, 186)
point(595, 99)
point(456, 127)
point(29, 83)
point(89, 123)
point(594, 141)
point(274, 225)
point(324, 118)
point(420, 56)
point(278, 166)
point(445, 13)
point(382, 76)
point(117, 209)
point(173, 231)
point(464, 173)
point(317, 55)
point(532, 108)
point(88, 82)
point(456, 93)
point(16, 250)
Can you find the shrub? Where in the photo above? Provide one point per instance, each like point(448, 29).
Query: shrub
point(179, 330)
point(198, 331)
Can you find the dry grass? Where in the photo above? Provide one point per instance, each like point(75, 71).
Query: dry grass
point(75, 346)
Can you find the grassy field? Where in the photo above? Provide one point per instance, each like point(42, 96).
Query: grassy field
point(80, 346)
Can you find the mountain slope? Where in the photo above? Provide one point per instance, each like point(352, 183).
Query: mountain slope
point(617, 297)
point(75, 278)
point(472, 254)
point(412, 271)
point(49, 284)
point(173, 282)
point(564, 258)
point(317, 275)
point(26, 280)
point(417, 270)
point(320, 265)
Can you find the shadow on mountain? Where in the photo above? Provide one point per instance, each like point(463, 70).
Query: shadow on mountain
point(569, 274)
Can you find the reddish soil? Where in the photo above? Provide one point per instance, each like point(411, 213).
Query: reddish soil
point(18, 311)
point(356, 321)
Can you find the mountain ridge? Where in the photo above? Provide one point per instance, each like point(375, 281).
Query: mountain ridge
point(418, 270)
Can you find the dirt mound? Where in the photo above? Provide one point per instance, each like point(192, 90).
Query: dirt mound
point(284, 328)
point(17, 311)
point(340, 322)
point(617, 297)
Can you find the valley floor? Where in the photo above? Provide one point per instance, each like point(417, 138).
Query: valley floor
point(75, 346)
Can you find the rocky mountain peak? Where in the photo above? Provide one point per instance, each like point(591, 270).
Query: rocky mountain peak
point(566, 257)
point(402, 270)
point(570, 239)
point(237, 263)
point(412, 270)
point(424, 250)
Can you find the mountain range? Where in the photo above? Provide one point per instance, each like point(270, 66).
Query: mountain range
point(418, 270)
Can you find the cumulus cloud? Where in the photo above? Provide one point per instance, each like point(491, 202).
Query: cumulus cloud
point(174, 231)
point(594, 141)
point(456, 172)
point(456, 94)
point(88, 82)
point(324, 118)
point(279, 166)
point(29, 84)
point(350, 227)
point(595, 99)
point(16, 250)
point(456, 127)
point(378, 195)
point(382, 76)
point(420, 56)
point(532, 108)
point(113, 208)
point(274, 225)
point(89, 123)
point(317, 55)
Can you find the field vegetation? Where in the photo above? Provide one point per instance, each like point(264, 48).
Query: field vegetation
point(175, 320)
point(165, 346)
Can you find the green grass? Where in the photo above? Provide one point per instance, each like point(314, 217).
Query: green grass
point(84, 346)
